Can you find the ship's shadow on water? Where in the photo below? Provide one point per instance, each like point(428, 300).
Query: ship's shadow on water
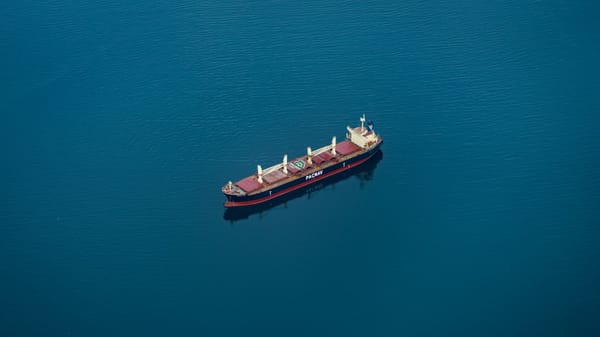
point(363, 172)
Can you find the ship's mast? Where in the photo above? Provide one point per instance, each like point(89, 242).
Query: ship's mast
point(259, 173)
point(333, 141)
point(362, 123)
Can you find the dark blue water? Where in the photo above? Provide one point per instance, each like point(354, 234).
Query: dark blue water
point(122, 120)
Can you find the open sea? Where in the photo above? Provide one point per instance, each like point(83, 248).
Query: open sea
point(121, 120)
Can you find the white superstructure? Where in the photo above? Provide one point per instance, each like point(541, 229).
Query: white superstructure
point(361, 136)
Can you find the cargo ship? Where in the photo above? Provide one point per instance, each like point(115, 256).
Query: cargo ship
point(360, 145)
point(363, 173)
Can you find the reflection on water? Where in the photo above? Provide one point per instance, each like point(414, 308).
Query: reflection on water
point(363, 172)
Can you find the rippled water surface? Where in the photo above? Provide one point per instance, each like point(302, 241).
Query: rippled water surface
point(121, 121)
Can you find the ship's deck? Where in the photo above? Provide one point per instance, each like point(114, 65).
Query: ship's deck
point(299, 167)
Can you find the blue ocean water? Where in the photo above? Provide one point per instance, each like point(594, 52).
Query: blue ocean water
point(122, 120)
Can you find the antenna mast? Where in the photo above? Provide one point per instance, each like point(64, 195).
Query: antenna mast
point(362, 123)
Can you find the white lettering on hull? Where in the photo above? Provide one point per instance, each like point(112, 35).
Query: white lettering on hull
point(313, 175)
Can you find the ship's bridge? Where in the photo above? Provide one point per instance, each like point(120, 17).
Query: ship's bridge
point(361, 136)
